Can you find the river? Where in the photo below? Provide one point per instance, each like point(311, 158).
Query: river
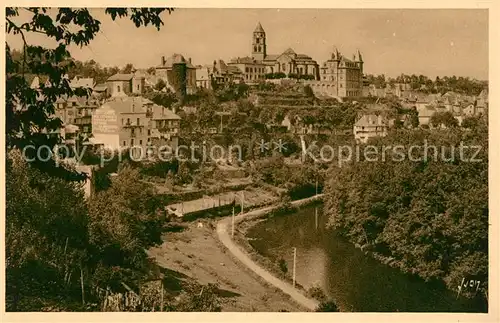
point(356, 281)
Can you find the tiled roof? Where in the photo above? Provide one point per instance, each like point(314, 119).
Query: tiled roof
point(270, 57)
point(121, 77)
point(371, 120)
point(82, 82)
point(234, 69)
point(259, 28)
point(100, 87)
point(160, 113)
point(176, 59)
point(242, 60)
point(127, 105)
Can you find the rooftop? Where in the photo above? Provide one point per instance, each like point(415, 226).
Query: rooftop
point(160, 113)
point(121, 77)
point(259, 29)
point(370, 120)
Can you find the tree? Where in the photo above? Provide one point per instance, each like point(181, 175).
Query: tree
point(283, 266)
point(30, 112)
point(160, 85)
point(443, 119)
point(328, 306)
point(128, 69)
point(429, 216)
point(308, 91)
point(413, 115)
point(151, 71)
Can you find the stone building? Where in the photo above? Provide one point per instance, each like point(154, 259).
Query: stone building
point(218, 73)
point(340, 76)
point(125, 84)
point(252, 70)
point(127, 122)
point(178, 73)
point(287, 62)
point(368, 126)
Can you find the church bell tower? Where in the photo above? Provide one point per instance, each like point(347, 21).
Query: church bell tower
point(259, 43)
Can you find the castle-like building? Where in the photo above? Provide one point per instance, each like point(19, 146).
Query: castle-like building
point(340, 76)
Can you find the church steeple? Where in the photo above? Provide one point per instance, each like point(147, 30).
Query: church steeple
point(259, 43)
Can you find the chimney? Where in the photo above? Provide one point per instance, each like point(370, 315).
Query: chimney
point(162, 60)
point(189, 59)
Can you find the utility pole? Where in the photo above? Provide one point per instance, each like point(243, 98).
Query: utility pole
point(242, 198)
point(316, 217)
point(294, 264)
point(221, 114)
point(232, 225)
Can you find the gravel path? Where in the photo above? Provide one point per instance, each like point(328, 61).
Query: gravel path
point(223, 232)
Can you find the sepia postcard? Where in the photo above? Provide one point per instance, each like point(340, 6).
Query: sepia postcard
point(179, 159)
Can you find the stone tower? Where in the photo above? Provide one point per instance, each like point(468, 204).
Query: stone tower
point(259, 43)
point(360, 62)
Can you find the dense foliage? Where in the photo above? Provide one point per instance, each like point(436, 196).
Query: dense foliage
point(460, 84)
point(54, 238)
point(428, 217)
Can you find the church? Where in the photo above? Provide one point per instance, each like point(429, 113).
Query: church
point(338, 77)
point(288, 62)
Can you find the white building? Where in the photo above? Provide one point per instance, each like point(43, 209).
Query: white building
point(368, 126)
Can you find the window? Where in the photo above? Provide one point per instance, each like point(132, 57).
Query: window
point(128, 120)
point(131, 142)
point(124, 143)
point(132, 131)
point(258, 40)
point(140, 142)
point(122, 121)
point(138, 121)
point(138, 87)
point(246, 69)
point(149, 132)
point(118, 89)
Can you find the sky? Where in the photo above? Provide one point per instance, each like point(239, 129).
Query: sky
point(432, 42)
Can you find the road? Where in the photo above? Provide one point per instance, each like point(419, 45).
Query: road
point(223, 228)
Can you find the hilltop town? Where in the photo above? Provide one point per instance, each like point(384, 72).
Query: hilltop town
point(129, 109)
point(142, 186)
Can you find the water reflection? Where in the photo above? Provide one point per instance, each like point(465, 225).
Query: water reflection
point(354, 280)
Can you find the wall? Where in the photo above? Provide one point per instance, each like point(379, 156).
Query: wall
point(105, 127)
point(119, 88)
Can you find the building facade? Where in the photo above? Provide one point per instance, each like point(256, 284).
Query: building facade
point(134, 122)
point(288, 62)
point(252, 70)
point(369, 126)
point(125, 84)
point(178, 73)
point(340, 76)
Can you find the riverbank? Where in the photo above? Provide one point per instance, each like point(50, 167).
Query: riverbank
point(244, 253)
point(196, 254)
